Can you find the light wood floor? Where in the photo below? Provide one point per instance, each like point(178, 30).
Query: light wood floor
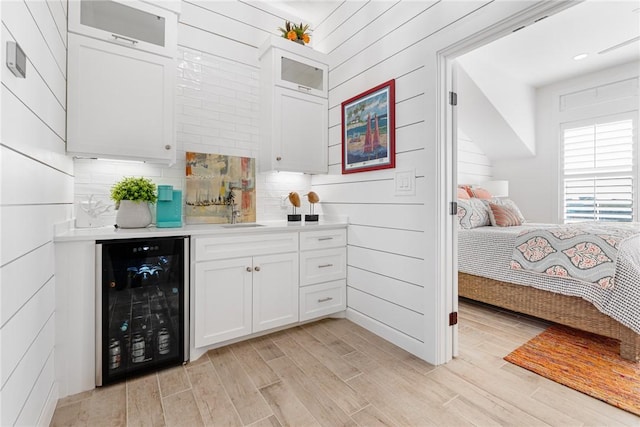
point(334, 373)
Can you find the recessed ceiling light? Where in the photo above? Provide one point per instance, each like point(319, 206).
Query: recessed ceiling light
point(581, 56)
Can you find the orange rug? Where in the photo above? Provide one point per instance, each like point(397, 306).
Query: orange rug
point(585, 362)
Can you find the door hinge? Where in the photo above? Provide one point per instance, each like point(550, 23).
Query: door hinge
point(453, 208)
point(453, 318)
point(453, 98)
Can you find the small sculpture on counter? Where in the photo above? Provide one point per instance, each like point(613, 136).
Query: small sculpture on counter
point(313, 199)
point(294, 199)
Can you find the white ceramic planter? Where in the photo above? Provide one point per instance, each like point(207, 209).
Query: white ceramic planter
point(132, 214)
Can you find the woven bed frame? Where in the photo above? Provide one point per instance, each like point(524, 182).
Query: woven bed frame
point(566, 310)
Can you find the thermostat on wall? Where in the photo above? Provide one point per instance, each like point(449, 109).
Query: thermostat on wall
point(16, 60)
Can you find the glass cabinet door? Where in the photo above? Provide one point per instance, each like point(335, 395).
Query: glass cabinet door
point(302, 74)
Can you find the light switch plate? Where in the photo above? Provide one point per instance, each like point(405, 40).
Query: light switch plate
point(405, 183)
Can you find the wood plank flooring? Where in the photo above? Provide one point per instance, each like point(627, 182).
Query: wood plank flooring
point(335, 373)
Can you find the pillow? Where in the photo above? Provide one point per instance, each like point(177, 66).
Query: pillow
point(503, 216)
point(467, 189)
point(511, 205)
point(463, 194)
point(472, 213)
point(480, 193)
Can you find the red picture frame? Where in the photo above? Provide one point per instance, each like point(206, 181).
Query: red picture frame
point(368, 130)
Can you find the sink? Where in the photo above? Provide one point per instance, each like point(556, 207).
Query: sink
point(243, 225)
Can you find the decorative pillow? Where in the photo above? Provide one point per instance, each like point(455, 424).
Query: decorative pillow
point(463, 194)
point(473, 213)
point(503, 216)
point(480, 193)
point(467, 189)
point(511, 205)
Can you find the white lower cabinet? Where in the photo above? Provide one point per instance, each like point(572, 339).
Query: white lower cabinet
point(323, 299)
point(239, 296)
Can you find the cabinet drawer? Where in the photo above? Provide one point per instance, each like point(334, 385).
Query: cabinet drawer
point(323, 299)
point(322, 239)
point(231, 246)
point(323, 265)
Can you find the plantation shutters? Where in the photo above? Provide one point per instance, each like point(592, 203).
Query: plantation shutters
point(599, 169)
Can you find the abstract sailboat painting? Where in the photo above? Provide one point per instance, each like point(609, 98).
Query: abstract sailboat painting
point(368, 130)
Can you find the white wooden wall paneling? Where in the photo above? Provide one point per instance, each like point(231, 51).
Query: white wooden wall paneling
point(404, 294)
point(407, 217)
point(383, 28)
point(39, 409)
point(25, 132)
point(24, 386)
point(25, 228)
point(214, 44)
point(404, 161)
point(397, 266)
point(47, 27)
point(59, 14)
point(405, 321)
point(350, 18)
point(22, 278)
point(264, 12)
point(33, 182)
point(45, 60)
point(35, 93)
point(378, 191)
point(393, 240)
point(20, 332)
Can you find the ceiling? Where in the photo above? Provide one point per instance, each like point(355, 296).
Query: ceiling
point(542, 53)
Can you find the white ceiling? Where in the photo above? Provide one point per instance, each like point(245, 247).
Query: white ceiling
point(543, 52)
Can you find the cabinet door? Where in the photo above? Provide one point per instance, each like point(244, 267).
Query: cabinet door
point(120, 102)
point(222, 295)
point(275, 291)
point(300, 129)
point(300, 73)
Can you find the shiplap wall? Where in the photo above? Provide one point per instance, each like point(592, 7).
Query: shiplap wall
point(474, 166)
point(37, 192)
point(392, 248)
point(217, 104)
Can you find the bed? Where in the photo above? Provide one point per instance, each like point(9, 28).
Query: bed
point(485, 274)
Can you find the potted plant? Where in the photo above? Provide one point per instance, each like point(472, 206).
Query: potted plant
point(296, 33)
point(132, 196)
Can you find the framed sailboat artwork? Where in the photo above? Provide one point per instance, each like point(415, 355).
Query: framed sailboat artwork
point(368, 130)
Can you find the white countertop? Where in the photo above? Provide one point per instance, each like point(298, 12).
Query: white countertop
point(111, 233)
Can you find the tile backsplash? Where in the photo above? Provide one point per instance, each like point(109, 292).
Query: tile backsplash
point(217, 111)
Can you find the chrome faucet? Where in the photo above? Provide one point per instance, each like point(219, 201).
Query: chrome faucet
point(235, 213)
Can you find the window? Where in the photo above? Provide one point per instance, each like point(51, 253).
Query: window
point(599, 169)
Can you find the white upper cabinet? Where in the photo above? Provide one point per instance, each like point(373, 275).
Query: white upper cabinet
point(294, 108)
point(128, 23)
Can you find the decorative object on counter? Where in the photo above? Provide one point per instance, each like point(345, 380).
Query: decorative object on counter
point(132, 196)
point(169, 207)
point(368, 130)
point(296, 33)
point(90, 213)
point(294, 199)
point(313, 199)
point(220, 189)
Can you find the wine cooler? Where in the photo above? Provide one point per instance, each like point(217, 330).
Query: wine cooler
point(142, 306)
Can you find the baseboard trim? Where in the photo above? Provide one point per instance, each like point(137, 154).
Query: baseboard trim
point(46, 416)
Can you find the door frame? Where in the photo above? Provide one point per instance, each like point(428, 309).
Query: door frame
point(447, 231)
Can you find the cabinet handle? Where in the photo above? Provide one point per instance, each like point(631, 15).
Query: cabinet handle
point(278, 158)
point(167, 147)
point(256, 268)
point(249, 269)
point(304, 88)
point(324, 238)
point(132, 41)
point(325, 299)
point(325, 265)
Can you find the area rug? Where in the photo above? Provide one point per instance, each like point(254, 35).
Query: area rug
point(585, 362)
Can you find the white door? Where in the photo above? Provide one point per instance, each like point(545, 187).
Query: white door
point(222, 295)
point(300, 127)
point(275, 291)
point(120, 101)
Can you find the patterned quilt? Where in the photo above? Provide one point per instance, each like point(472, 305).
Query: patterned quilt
point(587, 252)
